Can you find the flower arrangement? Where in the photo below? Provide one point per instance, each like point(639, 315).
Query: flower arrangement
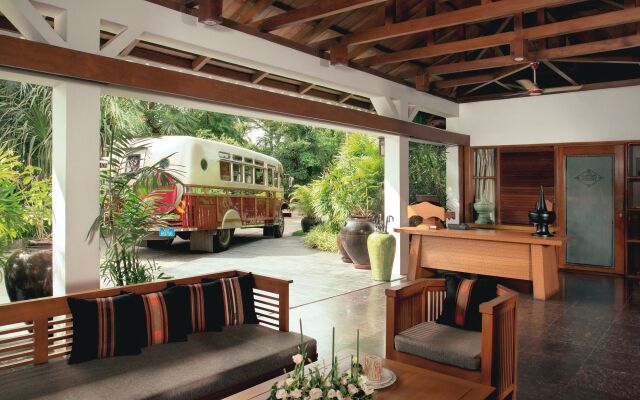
point(318, 385)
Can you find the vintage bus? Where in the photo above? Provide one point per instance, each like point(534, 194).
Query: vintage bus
point(223, 188)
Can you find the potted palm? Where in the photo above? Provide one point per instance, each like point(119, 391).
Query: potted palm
point(302, 201)
point(25, 226)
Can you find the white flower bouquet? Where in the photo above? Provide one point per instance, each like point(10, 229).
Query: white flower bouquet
point(318, 385)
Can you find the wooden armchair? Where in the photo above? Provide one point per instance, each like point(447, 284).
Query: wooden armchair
point(421, 301)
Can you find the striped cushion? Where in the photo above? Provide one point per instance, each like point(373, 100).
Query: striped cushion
point(461, 307)
point(206, 311)
point(166, 315)
point(104, 327)
point(237, 300)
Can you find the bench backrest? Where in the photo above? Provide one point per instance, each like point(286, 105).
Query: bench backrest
point(36, 331)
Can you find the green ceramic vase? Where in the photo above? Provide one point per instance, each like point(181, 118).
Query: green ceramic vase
point(382, 249)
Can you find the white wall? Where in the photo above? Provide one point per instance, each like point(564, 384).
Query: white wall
point(589, 116)
point(596, 115)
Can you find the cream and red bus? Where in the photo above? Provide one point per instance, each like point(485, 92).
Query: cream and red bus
point(223, 188)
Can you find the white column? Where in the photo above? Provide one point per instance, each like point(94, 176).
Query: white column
point(453, 182)
point(76, 154)
point(396, 195)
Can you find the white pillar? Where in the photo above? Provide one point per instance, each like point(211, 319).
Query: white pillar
point(396, 195)
point(453, 182)
point(76, 155)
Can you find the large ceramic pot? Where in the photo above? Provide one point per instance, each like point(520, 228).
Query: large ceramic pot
point(382, 250)
point(308, 223)
point(484, 208)
point(343, 253)
point(28, 273)
point(354, 239)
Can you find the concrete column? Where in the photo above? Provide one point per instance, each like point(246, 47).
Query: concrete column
point(396, 195)
point(76, 155)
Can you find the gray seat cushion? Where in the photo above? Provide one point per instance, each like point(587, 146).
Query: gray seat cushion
point(443, 344)
point(205, 364)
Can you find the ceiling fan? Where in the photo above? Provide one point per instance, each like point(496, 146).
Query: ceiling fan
point(532, 88)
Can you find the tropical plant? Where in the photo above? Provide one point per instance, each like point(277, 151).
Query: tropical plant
point(127, 212)
point(322, 237)
point(427, 171)
point(301, 200)
point(352, 184)
point(12, 223)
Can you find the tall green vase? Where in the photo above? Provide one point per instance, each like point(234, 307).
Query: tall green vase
point(382, 249)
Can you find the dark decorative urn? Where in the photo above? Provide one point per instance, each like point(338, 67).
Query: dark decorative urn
point(542, 217)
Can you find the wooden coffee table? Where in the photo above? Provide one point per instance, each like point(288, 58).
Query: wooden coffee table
point(413, 383)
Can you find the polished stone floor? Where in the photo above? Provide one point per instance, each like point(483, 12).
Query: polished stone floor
point(582, 344)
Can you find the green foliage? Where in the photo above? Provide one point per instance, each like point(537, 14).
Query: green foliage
point(352, 184)
point(322, 237)
point(127, 213)
point(302, 200)
point(304, 151)
point(427, 171)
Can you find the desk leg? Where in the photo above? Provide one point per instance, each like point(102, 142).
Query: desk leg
point(544, 271)
point(415, 254)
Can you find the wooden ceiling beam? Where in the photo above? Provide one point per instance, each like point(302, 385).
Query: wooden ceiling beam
point(482, 78)
point(304, 88)
point(258, 76)
point(462, 16)
point(210, 12)
point(26, 55)
point(318, 10)
point(199, 62)
point(583, 49)
point(258, 7)
point(499, 75)
point(613, 18)
point(601, 60)
point(485, 63)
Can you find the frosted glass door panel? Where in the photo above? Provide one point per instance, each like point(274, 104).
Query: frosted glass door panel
point(589, 210)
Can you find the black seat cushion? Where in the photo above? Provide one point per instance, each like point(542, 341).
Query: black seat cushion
point(105, 327)
point(461, 307)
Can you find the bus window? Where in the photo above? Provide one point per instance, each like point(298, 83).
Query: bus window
point(248, 174)
point(237, 158)
point(225, 171)
point(237, 175)
point(259, 176)
point(270, 177)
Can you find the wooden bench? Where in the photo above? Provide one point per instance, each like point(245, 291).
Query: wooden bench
point(38, 331)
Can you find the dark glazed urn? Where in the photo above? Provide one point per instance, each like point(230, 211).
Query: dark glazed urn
point(354, 239)
point(308, 223)
point(28, 274)
point(343, 254)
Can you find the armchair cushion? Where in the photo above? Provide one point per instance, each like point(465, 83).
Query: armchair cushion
point(461, 307)
point(442, 343)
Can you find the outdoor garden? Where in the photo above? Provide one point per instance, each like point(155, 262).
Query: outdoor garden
point(337, 176)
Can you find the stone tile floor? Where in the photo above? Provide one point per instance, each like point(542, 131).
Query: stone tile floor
point(582, 344)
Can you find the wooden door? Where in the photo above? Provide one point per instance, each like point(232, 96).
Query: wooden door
point(590, 193)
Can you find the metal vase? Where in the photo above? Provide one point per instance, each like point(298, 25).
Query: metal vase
point(354, 240)
point(382, 250)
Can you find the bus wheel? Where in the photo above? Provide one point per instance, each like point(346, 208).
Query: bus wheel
point(222, 240)
point(159, 244)
point(278, 230)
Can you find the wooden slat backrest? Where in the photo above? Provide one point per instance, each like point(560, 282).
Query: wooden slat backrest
point(35, 331)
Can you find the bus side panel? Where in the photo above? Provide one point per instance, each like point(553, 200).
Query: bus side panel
point(200, 212)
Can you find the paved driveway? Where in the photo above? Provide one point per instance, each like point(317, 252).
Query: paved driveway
point(316, 275)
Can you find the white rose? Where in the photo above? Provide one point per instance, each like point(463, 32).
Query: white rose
point(331, 393)
point(327, 383)
point(295, 394)
point(280, 384)
point(352, 389)
point(368, 390)
point(343, 381)
point(289, 381)
point(363, 380)
point(281, 394)
point(315, 394)
point(338, 395)
point(297, 359)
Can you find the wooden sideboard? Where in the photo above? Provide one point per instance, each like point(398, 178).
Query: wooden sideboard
point(500, 253)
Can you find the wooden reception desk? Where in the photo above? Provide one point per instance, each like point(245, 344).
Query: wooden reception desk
point(501, 253)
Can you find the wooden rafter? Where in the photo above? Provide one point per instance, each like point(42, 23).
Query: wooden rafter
point(535, 32)
point(318, 10)
point(258, 7)
point(210, 12)
point(463, 16)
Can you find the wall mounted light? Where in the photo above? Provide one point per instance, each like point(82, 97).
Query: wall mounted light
point(381, 145)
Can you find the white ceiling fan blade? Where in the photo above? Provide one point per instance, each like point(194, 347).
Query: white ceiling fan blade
point(526, 84)
point(561, 89)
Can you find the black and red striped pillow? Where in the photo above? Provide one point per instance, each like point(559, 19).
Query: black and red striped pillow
point(461, 307)
point(166, 316)
point(105, 327)
point(237, 300)
point(206, 312)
